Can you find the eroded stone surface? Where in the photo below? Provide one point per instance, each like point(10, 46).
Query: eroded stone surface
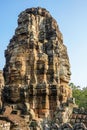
point(1, 87)
point(1, 79)
point(37, 63)
point(36, 95)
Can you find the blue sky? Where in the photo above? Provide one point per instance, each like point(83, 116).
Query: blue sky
point(71, 16)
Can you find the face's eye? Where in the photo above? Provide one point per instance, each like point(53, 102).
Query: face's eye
point(18, 64)
point(10, 65)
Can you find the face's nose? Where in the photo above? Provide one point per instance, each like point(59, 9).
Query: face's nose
point(13, 68)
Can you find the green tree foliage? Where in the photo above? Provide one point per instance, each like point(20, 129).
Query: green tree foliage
point(80, 95)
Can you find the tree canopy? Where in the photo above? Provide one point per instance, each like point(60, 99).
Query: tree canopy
point(80, 95)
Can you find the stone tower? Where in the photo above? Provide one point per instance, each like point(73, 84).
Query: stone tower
point(37, 69)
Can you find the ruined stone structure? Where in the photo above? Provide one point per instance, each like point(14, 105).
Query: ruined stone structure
point(37, 69)
point(37, 73)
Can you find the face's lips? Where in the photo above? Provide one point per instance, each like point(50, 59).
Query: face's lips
point(14, 75)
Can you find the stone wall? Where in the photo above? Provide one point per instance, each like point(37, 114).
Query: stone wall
point(79, 115)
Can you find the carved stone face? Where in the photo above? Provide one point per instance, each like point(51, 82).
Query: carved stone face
point(65, 73)
point(17, 69)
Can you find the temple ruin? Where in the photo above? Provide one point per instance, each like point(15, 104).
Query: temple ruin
point(36, 94)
